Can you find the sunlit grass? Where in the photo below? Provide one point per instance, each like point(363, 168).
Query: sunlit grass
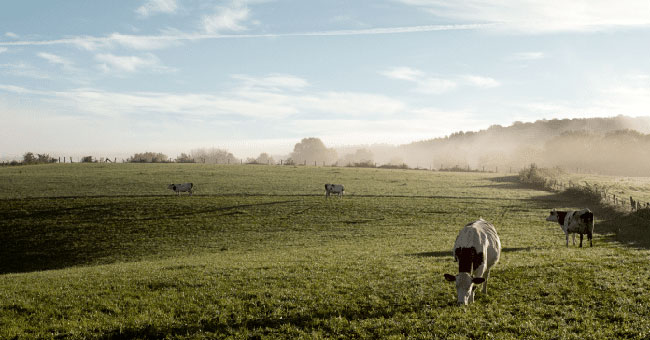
point(259, 252)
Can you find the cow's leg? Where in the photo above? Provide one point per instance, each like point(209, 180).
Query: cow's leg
point(580, 240)
point(589, 236)
point(567, 240)
point(486, 276)
point(573, 237)
point(482, 271)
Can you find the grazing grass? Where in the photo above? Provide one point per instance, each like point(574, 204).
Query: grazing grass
point(107, 252)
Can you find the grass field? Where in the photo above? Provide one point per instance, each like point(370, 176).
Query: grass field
point(107, 252)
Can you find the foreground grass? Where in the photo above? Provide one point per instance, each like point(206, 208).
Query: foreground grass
point(258, 252)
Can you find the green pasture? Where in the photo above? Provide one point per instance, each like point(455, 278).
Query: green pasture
point(105, 251)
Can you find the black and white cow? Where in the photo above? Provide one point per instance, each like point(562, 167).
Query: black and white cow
point(477, 249)
point(338, 189)
point(574, 221)
point(183, 187)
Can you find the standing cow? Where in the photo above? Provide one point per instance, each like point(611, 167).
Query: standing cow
point(477, 249)
point(575, 221)
point(184, 187)
point(338, 189)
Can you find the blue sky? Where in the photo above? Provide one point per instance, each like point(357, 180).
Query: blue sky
point(110, 78)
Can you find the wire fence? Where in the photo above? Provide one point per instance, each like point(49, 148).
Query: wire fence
point(619, 199)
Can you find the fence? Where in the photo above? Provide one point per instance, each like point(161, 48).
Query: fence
point(616, 200)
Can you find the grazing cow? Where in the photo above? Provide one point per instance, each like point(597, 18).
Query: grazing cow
point(572, 222)
point(338, 189)
point(477, 249)
point(184, 187)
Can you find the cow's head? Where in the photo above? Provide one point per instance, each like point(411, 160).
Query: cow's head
point(464, 286)
point(172, 186)
point(553, 217)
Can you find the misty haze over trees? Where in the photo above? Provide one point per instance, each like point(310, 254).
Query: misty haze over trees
point(615, 146)
point(610, 146)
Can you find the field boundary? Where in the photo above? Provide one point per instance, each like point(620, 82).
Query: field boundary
point(265, 195)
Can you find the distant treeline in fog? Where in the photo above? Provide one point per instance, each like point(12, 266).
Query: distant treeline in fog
point(610, 146)
point(614, 146)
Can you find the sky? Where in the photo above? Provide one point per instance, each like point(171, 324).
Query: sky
point(112, 78)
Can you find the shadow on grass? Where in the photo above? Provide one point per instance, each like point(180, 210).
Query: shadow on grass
point(629, 228)
point(37, 237)
point(447, 253)
point(506, 182)
point(233, 326)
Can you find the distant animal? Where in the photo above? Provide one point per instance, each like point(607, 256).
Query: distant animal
point(184, 187)
point(574, 221)
point(477, 249)
point(338, 189)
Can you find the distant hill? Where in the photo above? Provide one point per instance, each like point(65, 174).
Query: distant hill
point(617, 146)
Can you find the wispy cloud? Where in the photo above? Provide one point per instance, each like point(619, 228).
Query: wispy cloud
point(533, 16)
point(3, 49)
point(11, 35)
point(17, 89)
point(57, 60)
point(435, 85)
point(482, 82)
point(22, 69)
point(151, 7)
point(111, 63)
point(525, 56)
point(149, 42)
point(272, 82)
point(275, 99)
point(227, 19)
point(424, 83)
point(403, 73)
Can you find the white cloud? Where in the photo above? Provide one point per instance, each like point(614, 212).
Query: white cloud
point(276, 99)
point(17, 89)
point(423, 83)
point(152, 7)
point(527, 56)
point(349, 104)
point(22, 69)
point(139, 42)
point(173, 38)
point(482, 82)
point(436, 85)
point(110, 62)
point(403, 73)
point(433, 85)
point(273, 81)
point(11, 35)
point(3, 49)
point(226, 19)
point(55, 59)
point(534, 16)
